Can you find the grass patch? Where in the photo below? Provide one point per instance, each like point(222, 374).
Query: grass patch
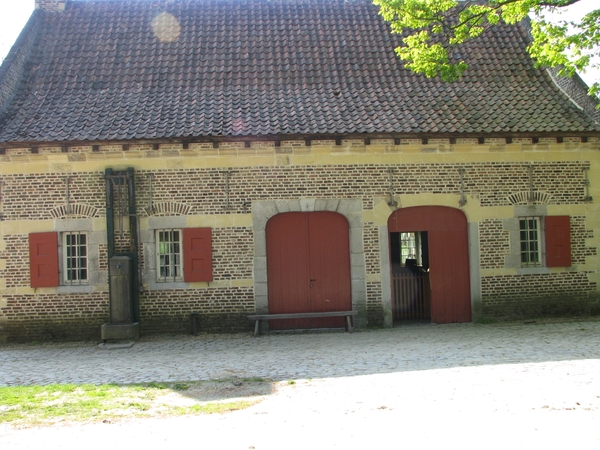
point(41, 405)
point(213, 408)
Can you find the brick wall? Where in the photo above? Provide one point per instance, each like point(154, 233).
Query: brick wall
point(233, 249)
point(199, 193)
point(371, 240)
point(495, 243)
point(579, 234)
point(374, 305)
point(55, 317)
point(219, 310)
point(16, 253)
point(33, 196)
point(537, 295)
point(204, 189)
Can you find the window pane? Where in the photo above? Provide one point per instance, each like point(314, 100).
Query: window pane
point(169, 255)
point(409, 248)
point(75, 261)
point(530, 245)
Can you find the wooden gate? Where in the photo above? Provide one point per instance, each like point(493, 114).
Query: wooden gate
point(308, 267)
point(411, 296)
point(448, 257)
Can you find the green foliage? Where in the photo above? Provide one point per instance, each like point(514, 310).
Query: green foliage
point(39, 405)
point(434, 29)
point(254, 380)
point(213, 408)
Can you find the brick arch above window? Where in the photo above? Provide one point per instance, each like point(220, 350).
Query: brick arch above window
point(527, 197)
point(168, 209)
point(74, 210)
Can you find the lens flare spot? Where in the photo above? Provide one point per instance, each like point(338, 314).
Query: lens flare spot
point(166, 27)
point(238, 125)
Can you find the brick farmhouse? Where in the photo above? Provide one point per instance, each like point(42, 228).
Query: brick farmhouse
point(254, 156)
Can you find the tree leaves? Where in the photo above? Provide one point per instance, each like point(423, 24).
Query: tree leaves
point(435, 28)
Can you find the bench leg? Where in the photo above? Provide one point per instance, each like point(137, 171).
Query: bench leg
point(257, 327)
point(193, 317)
point(349, 324)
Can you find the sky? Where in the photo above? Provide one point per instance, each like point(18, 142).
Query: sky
point(14, 15)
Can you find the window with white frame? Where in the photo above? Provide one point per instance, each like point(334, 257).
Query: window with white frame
point(530, 238)
point(410, 247)
point(75, 258)
point(169, 256)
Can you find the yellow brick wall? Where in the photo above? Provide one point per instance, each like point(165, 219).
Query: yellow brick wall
point(424, 173)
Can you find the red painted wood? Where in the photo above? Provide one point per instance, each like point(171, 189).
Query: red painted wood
point(448, 257)
point(197, 254)
point(558, 241)
point(43, 259)
point(308, 267)
point(287, 268)
point(329, 267)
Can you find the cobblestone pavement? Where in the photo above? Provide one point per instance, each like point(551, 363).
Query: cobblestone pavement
point(293, 356)
point(469, 385)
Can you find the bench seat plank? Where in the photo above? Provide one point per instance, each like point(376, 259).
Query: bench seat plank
point(258, 317)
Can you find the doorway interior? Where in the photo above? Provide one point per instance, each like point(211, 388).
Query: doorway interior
point(411, 296)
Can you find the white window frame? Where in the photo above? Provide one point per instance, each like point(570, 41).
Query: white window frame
point(169, 255)
point(531, 241)
point(410, 247)
point(75, 258)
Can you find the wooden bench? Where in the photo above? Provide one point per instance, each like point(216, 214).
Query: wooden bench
point(347, 314)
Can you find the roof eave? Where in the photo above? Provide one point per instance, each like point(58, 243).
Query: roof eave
point(277, 138)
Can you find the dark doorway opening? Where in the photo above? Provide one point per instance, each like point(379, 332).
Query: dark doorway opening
point(411, 295)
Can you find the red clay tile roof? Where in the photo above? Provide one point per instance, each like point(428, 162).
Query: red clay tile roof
point(100, 71)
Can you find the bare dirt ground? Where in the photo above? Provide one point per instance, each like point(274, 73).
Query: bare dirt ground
point(220, 391)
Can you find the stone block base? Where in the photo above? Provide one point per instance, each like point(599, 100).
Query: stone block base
point(120, 331)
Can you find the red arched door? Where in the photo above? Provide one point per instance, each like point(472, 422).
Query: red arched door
point(448, 254)
point(308, 267)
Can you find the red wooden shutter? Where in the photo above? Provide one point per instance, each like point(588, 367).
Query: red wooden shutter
point(558, 241)
point(197, 254)
point(43, 259)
